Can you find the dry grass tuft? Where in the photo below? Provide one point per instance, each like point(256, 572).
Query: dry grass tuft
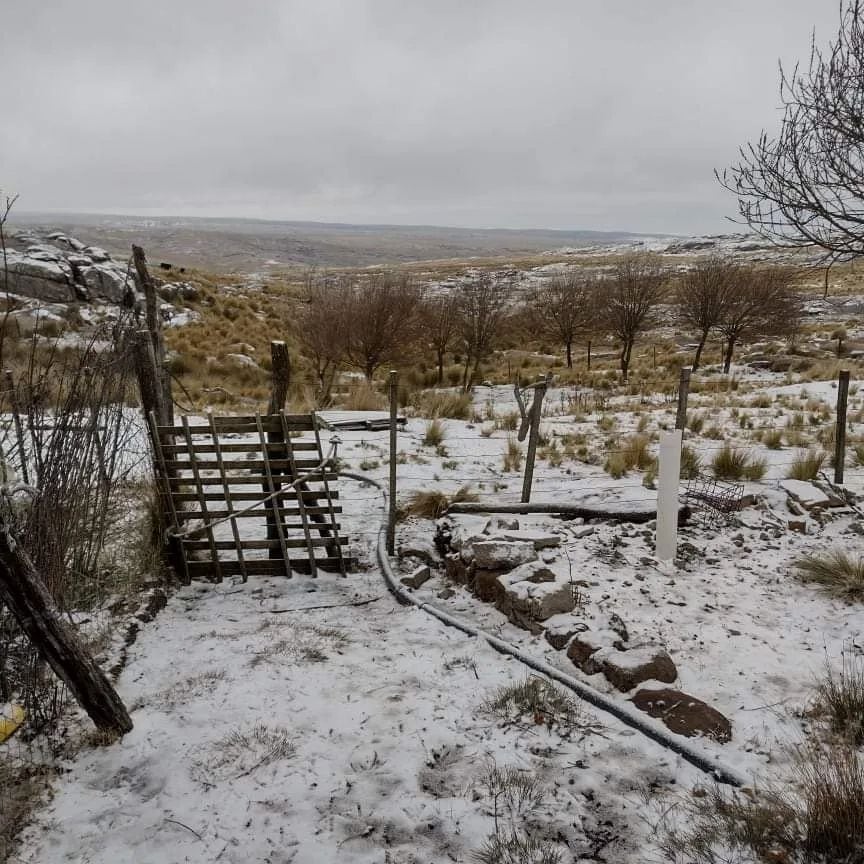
point(836, 571)
point(438, 403)
point(842, 696)
point(512, 455)
point(433, 503)
point(434, 434)
point(806, 465)
point(538, 700)
point(734, 464)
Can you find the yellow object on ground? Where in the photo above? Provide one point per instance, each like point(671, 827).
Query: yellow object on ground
point(11, 717)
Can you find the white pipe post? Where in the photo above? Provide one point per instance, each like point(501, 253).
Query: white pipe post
point(667, 495)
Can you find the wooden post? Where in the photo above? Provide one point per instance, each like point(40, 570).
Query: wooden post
point(281, 377)
point(154, 325)
point(840, 438)
point(683, 393)
point(589, 355)
point(391, 503)
point(26, 597)
point(148, 376)
point(533, 435)
point(19, 428)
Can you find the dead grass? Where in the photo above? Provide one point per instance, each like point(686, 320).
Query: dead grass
point(841, 695)
point(541, 702)
point(438, 403)
point(434, 434)
point(433, 503)
point(512, 455)
point(735, 464)
point(836, 571)
point(806, 465)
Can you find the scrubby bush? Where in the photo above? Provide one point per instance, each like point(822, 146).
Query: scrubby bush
point(836, 571)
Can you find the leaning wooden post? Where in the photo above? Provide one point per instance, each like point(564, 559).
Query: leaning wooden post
point(391, 502)
point(840, 437)
point(154, 325)
point(279, 383)
point(683, 393)
point(27, 598)
point(19, 428)
point(148, 376)
point(533, 435)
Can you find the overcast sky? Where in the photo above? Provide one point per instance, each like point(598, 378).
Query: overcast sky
point(582, 114)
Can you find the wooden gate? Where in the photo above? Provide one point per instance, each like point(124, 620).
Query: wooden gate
point(229, 486)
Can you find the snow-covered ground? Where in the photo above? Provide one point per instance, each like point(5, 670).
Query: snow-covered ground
point(358, 733)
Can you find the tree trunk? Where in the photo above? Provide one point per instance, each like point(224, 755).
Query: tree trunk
point(466, 380)
point(569, 353)
point(625, 360)
point(440, 368)
point(589, 355)
point(22, 592)
point(700, 348)
point(369, 371)
point(727, 359)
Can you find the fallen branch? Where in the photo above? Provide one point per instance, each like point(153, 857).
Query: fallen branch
point(568, 511)
point(325, 606)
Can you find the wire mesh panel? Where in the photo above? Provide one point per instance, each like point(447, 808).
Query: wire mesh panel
point(713, 500)
point(249, 495)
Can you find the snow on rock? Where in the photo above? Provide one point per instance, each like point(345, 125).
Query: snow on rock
point(626, 669)
point(501, 554)
point(540, 539)
point(805, 493)
point(560, 629)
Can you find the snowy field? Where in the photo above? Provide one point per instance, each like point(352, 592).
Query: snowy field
point(264, 733)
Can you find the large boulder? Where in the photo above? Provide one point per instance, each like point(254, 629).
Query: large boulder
point(627, 669)
point(40, 277)
point(683, 714)
point(535, 598)
point(458, 570)
point(104, 282)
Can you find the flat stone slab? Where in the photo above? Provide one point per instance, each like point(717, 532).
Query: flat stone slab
point(627, 669)
point(540, 539)
point(806, 493)
point(683, 714)
point(501, 554)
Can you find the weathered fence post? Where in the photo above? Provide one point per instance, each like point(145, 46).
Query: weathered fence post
point(154, 325)
point(279, 383)
point(147, 373)
point(667, 495)
point(23, 593)
point(281, 376)
point(840, 437)
point(533, 435)
point(683, 393)
point(391, 503)
point(589, 355)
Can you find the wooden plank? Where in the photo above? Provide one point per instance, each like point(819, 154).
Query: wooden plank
point(235, 529)
point(238, 447)
point(289, 543)
point(249, 480)
point(202, 502)
point(255, 514)
point(240, 464)
point(289, 495)
point(331, 513)
point(272, 488)
point(304, 518)
point(266, 566)
point(245, 425)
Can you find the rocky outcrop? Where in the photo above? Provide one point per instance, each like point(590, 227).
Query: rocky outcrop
point(627, 669)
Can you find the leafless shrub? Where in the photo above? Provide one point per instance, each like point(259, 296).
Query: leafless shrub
point(564, 309)
point(482, 307)
point(439, 317)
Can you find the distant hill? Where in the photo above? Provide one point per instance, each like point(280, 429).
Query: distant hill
point(245, 245)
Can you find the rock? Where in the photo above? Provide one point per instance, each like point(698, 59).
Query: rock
point(486, 585)
point(533, 571)
point(806, 494)
point(497, 524)
point(540, 539)
point(39, 277)
point(560, 629)
point(535, 601)
point(105, 282)
point(241, 360)
point(502, 554)
point(96, 253)
point(586, 643)
point(422, 549)
point(457, 569)
point(799, 525)
point(548, 556)
point(627, 669)
point(683, 714)
point(617, 625)
point(445, 594)
point(583, 531)
point(417, 578)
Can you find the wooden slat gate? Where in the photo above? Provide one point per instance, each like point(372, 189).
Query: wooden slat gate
point(228, 489)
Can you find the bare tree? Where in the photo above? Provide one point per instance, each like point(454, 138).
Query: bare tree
point(321, 328)
point(702, 297)
point(760, 302)
point(482, 308)
point(627, 302)
point(382, 316)
point(563, 308)
point(806, 185)
point(440, 319)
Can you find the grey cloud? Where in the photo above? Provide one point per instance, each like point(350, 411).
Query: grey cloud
point(554, 113)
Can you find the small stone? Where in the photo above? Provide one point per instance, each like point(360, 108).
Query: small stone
point(418, 577)
point(446, 594)
point(497, 524)
point(627, 669)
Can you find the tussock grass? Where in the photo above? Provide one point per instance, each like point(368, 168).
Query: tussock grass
point(691, 463)
point(806, 465)
point(835, 571)
point(842, 696)
point(438, 403)
point(820, 821)
point(538, 700)
point(362, 396)
point(435, 434)
point(733, 464)
point(773, 439)
point(512, 455)
point(433, 503)
point(516, 848)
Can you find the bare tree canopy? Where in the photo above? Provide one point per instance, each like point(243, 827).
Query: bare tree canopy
point(382, 316)
point(628, 300)
point(806, 186)
point(563, 308)
point(440, 320)
point(702, 297)
point(482, 308)
point(759, 302)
